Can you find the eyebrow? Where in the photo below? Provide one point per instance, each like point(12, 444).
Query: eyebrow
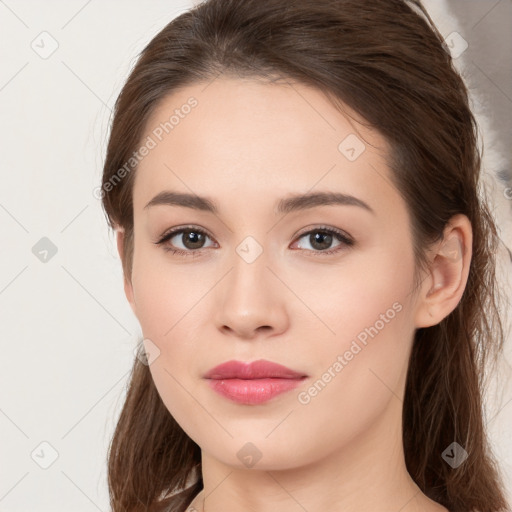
point(285, 205)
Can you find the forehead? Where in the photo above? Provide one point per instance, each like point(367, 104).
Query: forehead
point(250, 138)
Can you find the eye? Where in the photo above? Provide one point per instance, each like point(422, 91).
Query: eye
point(191, 238)
point(322, 238)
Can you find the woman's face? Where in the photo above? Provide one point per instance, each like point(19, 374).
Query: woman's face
point(261, 278)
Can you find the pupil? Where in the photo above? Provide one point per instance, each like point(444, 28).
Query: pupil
point(193, 238)
point(321, 237)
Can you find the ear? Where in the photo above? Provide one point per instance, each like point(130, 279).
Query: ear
point(128, 288)
point(442, 289)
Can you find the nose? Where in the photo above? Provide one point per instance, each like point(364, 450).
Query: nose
point(251, 301)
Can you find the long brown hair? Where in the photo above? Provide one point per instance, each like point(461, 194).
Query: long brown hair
point(386, 60)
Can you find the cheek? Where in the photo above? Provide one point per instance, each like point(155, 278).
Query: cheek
point(359, 375)
point(170, 301)
point(361, 364)
point(164, 294)
point(364, 298)
point(165, 298)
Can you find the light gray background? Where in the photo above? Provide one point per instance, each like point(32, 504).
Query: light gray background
point(68, 333)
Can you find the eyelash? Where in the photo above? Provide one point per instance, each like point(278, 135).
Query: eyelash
point(340, 235)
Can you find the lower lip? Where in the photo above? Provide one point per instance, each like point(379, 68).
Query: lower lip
point(253, 391)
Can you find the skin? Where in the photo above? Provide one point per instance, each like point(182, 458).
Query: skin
point(246, 145)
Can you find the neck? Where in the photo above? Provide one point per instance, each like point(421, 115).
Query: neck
point(367, 474)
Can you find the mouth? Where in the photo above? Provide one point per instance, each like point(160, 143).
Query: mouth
point(252, 383)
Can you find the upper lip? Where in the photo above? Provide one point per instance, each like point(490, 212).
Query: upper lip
point(260, 369)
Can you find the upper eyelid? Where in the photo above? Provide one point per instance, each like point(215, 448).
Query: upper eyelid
point(172, 232)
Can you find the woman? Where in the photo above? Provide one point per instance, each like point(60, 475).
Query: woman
point(294, 187)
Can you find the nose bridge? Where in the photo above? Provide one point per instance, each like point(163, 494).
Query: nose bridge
point(248, 281)
point(249, 297)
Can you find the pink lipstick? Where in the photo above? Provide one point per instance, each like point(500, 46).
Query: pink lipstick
point(252, 383)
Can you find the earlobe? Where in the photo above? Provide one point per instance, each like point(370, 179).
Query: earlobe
point(449, 271)
point(128, 288)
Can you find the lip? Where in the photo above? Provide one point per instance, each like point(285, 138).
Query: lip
point(252, 383)
point(260, 369)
